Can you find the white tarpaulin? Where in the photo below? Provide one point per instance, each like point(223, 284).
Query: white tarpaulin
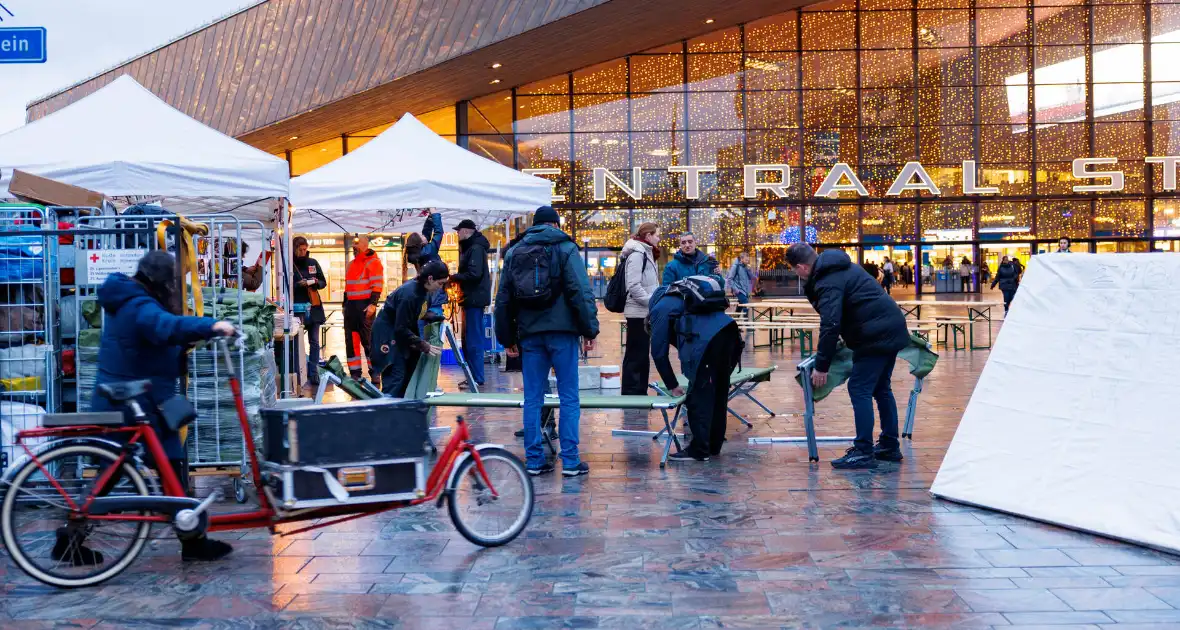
point(123, 141)
point(1074, 419)
point(383, 185)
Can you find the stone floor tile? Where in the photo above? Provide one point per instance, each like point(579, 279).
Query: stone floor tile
point(1056, 618)
point(1169, 594)
point(1018, 600)
point(1110, 599)
point(1028, 558)
point(1122, 555)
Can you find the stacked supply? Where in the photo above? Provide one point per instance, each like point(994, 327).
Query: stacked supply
point(16, 417)
point(87, 362)
point(24, 368)
point(258, 315)
point(216, 436)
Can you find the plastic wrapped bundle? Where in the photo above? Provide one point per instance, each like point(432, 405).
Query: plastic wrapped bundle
point(87, 361)
point(216, 436)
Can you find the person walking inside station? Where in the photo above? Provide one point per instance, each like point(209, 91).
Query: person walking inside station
point(690, 314)
point(396, 342)
point(475, 280)
point(689, 261)
point(309, 308)
point(639, 266)
point(363, 283)
point(1008, 277)
point(543, 305)
point(740, 280)
point(144, 339)
point(852, 306)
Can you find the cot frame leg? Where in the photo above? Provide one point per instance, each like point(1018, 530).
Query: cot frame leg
point(326, 378)
point(805, 369)
point(449, 336)
point(912, 410)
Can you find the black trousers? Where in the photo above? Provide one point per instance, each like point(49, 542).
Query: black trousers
point(358, 333)
point(709, 393)
point(395, 378)
point(636, 358)
point(1009, 294)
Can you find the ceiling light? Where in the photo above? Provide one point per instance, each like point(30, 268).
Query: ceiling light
point(294, 137)
point(496, 65)
point(495, 81)
point(709, 21)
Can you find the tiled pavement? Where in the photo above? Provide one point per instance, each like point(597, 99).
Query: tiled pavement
point(757, 538)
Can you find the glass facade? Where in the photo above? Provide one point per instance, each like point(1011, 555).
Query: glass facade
point(1021, 88)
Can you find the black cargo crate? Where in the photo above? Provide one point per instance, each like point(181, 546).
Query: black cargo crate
point(360, 431)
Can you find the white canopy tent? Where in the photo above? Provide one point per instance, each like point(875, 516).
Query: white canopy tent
point(126, 143)
point(386, 183)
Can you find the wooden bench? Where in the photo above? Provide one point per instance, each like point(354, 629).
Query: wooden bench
point(949, 329)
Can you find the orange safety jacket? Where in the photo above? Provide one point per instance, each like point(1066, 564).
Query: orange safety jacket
point(365, 278)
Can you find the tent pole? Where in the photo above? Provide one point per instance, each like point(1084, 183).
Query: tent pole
point(289, 291)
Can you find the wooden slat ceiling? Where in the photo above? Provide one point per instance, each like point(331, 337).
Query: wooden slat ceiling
point(318, 68)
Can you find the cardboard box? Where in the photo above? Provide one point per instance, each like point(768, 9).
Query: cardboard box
point(49, 192)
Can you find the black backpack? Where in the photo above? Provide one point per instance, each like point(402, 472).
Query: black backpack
point(701, 294)
point(536, 275)
point(616, 290)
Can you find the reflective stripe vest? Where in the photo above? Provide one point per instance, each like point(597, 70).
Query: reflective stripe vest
point(365, 277)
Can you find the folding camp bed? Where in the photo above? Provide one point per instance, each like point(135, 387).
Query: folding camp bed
point(741, 383)
point(586, 401)
point(805, 369)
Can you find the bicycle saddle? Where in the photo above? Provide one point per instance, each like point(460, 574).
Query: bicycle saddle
point(122, 392)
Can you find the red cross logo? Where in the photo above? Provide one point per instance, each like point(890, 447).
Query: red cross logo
point(94, 258)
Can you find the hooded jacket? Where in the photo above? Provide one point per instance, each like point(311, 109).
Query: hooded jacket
point(395, 328)
point(1007, 276)
point(682, 266)
point(141, 340)
point(474, 277)
point(852, 306)
point(740, 279)
point(573, 312)
point(691, 333)
point(641, 277)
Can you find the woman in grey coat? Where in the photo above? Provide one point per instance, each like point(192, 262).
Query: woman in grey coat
point(639, 256)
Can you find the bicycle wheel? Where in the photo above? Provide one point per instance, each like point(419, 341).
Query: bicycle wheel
point(486, 520)
point(45, 543)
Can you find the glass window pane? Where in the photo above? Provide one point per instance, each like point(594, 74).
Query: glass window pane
point(773, 146)
point(828, 146)
point(1002, 27)
point(1003, 105)
point(722, 148)
point(1055, 178)
point(672, 222)
point(602, 150)
point(886, 68)
point(886, 29)
point(604, 228)
point(944, 29)
point(942, 67)
point(1166, 220)
point(721, 227)
point(1165, 62)
point(829, 30)
point(715, 110)
point(1165, 98)
point(1120, 218)
point(1005, 220)
point(829, 108)
point(1060, 25)
point(559, 84)
point(887, 145)
point(888, 222)
point(657, 112)
point(657, 73)
point(720, 72)
point(604, 78)
point(1004, 143)
point(1118, 101)
point(829, 69)
point(491, 114)
point(656, 149)
point(495, 148)
point(833, 223)
point(542, 114)
point(772, 71)
point(946, 106)
point(776, 225)
point(777, 32)
point(887, 107)
point(947, 221)
point(1062, 142)
point(946, 145)
point(727, 40)
point(1118, 24)
point(440, 121)
point(770, 110)
point(600, 112)
point(1003, 66)
point(309, 158)
point(1124, 140)
point(1063, 219)
point(543, 150)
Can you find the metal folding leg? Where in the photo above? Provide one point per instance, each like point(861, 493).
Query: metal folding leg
point(805, 368)
point(744, 389)
point(912, 410)
point(449, 335)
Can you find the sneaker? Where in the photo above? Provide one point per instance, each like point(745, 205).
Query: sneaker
point(855, 460)
point(685, 456)
point(69, 548)
point(577, 471)
point(203, 549)
point(547, 467)
point(519, 433)
point(887, 454)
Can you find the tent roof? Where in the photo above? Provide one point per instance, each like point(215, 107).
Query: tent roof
point(123, 141)
point(410, 167)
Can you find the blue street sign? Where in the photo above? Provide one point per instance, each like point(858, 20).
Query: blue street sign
point(22, 45)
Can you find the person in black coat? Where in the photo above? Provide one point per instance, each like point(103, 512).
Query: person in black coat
point(309, 307)
point(396, 343)
point(853, 307)
point(475, 279)
point(1008, 277)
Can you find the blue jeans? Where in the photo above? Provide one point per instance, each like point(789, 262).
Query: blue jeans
point(870, 379)
point(539, 353)
point(473, 341)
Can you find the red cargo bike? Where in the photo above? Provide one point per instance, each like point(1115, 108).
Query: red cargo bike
point(90, 483)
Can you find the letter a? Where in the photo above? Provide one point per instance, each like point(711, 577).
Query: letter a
point(903, 183)
point(831, 185)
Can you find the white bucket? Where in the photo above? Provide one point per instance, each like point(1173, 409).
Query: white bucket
point(612, 377)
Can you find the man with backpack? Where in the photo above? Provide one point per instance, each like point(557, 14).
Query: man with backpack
point(690, 314)
point(543, 305)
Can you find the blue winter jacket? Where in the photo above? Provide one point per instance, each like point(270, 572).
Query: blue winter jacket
point(143, 340)
point(681, 267)
point(432, 231)
point(690, 333)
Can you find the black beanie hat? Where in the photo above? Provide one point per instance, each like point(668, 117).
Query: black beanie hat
point(545, 214)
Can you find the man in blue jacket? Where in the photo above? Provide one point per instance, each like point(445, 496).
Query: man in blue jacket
point(689, 261)
point(543, 305)
point(852, 306)
point(143, 340)
point(709, 345)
